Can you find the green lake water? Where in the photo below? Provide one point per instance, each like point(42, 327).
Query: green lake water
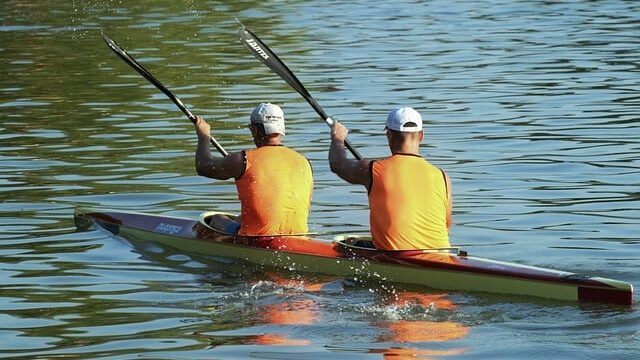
point(532, 107)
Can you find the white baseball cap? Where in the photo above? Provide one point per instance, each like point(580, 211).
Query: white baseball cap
point(399, 118)
point(270, 116)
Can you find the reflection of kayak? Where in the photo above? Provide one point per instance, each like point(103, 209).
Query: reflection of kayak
point(447, 269)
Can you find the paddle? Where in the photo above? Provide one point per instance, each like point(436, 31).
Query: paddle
point(262, 52)
point(147, 75)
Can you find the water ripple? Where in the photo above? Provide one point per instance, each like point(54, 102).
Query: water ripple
point(530, 106)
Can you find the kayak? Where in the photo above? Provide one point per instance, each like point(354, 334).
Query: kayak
point(354, 256)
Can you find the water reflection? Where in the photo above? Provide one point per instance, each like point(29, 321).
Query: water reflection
point(409, 317)
point(415, 331)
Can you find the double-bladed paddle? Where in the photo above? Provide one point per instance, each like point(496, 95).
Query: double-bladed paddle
point(122, 54)
point(262, 52)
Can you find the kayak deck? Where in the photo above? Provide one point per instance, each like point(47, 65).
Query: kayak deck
point(447, 269)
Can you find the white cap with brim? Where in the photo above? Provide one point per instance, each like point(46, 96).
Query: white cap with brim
point(404, 119)
point(270, 116)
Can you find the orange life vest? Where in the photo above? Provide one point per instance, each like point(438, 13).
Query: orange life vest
point(408, 204)
point(275, 192)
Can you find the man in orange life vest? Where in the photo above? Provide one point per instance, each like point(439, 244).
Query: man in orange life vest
point(409, 199)
point(274, 183)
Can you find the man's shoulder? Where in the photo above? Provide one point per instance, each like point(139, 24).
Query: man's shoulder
point(293, 151)
point(281, 151)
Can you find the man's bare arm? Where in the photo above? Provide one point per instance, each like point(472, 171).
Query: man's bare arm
point(350, 170)
point(231, 166)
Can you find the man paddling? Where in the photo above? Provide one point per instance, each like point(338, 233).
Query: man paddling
point(409, 199)
point(274, 183)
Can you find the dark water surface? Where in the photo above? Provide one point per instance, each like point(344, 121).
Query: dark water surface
point(533, 108)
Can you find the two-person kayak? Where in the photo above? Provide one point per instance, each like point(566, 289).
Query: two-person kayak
point(446, 269)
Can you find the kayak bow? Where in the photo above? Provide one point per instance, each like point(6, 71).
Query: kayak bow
point(447, 269)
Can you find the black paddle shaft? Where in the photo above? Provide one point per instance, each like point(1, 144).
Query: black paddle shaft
point(262, 52)
point(122, 54)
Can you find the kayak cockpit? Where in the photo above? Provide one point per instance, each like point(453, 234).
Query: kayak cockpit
point(362, 245)
point(205, 220)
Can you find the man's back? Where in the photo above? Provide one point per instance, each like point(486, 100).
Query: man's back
point(408, 204)
point(275, 192)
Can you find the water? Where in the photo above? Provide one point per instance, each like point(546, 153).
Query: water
point(531, 106)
